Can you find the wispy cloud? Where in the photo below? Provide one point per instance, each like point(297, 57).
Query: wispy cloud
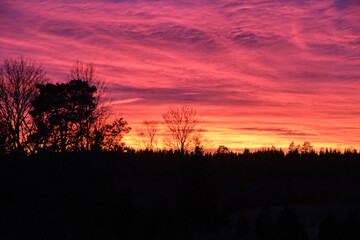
point(131, 100)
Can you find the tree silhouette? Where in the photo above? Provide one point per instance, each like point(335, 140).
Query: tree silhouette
point(180, 122)
point(199, 146)
point(4, 139)
point(87, 73)
point(292, 148)
point(81, 71)
point(59, 111)
point(18, 80)
point(200, 142)
point(108, 137)
point(307, 148)
point(222, 150)
point(147, 134)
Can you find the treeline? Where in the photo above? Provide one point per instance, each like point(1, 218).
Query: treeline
point(174, 195)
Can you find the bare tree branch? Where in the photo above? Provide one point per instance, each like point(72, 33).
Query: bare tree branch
point(147, 135)
point(180, 123)
point(18, 81)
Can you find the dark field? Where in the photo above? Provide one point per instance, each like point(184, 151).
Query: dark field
point(166, 195)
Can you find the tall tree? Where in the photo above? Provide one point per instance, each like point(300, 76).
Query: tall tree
point(147, 134)
point(59, 111)
point(18, 80)
point(180, 122)
point(87, 72)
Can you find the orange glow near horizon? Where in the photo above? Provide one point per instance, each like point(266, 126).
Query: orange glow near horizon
point(259, 73)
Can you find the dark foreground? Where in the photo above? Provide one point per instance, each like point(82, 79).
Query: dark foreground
point(166, 195)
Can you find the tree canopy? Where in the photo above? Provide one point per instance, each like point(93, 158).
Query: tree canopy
point(60, 111)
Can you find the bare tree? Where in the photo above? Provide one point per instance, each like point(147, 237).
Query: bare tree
point(18, 81)
point(81, 71)
point(180, 122)
point(147, 134)
point(87, 72)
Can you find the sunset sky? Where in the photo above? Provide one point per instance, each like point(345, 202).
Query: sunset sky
point(259, 73)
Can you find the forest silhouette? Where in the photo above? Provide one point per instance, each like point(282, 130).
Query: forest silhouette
point(66, 174)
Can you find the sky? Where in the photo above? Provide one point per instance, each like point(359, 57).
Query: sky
point(259, 73)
